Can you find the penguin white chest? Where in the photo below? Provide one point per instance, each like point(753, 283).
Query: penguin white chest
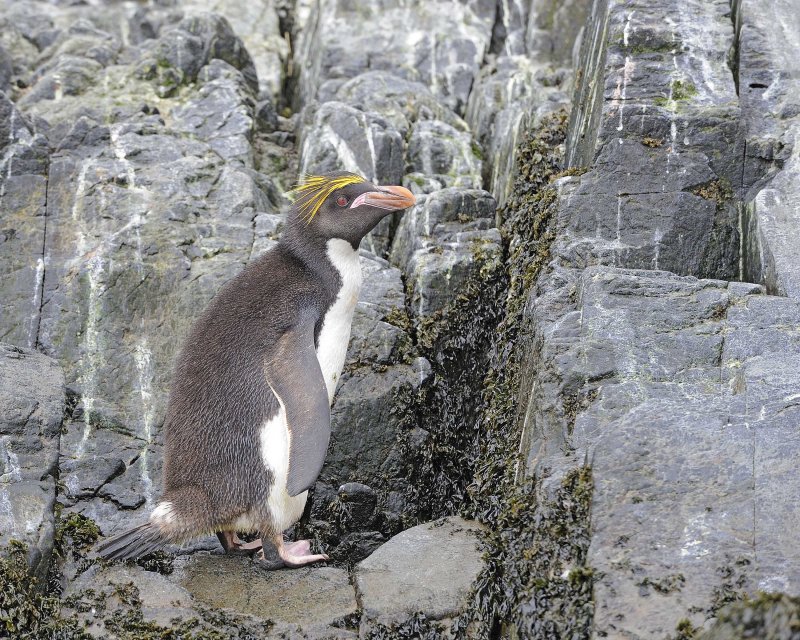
point(335, 333)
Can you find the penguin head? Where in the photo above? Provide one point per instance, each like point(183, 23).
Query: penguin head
point(344, 205)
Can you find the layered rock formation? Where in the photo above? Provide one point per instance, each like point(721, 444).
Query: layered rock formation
point(583, 335)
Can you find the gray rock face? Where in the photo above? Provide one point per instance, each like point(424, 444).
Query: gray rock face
point(771, 234)
point(664, 407)
point(31, 411)
point(428, 568)
point(23, 188)
point(441, 45)
point(180, 53)
point(447, 237)
point(443, 154)
point(768, 87)
point(341, 137)
point(659, 382)
point(675, 123)
point(258, 26)
point(400, 100)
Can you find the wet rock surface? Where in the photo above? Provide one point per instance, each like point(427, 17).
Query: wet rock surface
point(311, 598)
point(582, 335)
point(429, 568)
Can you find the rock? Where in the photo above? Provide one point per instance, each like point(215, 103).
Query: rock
point(443, 49)
point(665, 377)
point(442, 153)
point(31, 411)
point(399, 100)
point(528, 77)
point(258, 26)
point(178, 55)
point(124, 598)
point(364, 427)
point(653, 381)
point(358, 545)
point(767, 616)
point(222, 113)
point(359, 501)
point(23, 194)
point(772, 254)
point(442, 241)
point(320, 600)
point(18, 45)
point(72, 63)
point(510, 93)
point(429, 568)
point(344, 138)
point(161, 599)
point(266, 115)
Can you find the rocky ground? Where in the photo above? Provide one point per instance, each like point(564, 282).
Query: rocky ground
point(570, 403)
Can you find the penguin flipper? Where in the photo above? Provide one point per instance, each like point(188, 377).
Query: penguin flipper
point(295, 376)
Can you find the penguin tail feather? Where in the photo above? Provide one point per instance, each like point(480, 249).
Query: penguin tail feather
point(133, 543)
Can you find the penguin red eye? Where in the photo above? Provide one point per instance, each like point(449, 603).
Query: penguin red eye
point(342, 201)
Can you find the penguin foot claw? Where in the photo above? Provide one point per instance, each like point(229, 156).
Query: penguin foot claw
point(235, 547)
point(268, 564)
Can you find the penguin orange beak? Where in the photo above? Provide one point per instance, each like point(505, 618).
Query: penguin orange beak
point(388, 198)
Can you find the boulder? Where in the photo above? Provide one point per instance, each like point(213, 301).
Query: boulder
point(429, 568)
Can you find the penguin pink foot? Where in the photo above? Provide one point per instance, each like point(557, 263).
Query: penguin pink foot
point(235, 547)
point(297, 554)
point(288, 554)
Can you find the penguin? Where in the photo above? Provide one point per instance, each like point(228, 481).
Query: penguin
point(248, 418)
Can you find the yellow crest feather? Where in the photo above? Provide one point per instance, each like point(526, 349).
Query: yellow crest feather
point(309, 194)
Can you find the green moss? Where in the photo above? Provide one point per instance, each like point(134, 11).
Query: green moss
point(767, 615)
point(572, 171)
point(679, 91)
point(27, 609)
point(719, 191)
point(527, 233)
point(74, 536)
point(683, 90)
point(535, 583)
point(157, 562)
point(31, 609)
point(417, 627)
point(81, 531)
point(668, 584)
point(731, 587)
point(685, 630)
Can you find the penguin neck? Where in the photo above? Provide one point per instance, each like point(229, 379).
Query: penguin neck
point(318, 254)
